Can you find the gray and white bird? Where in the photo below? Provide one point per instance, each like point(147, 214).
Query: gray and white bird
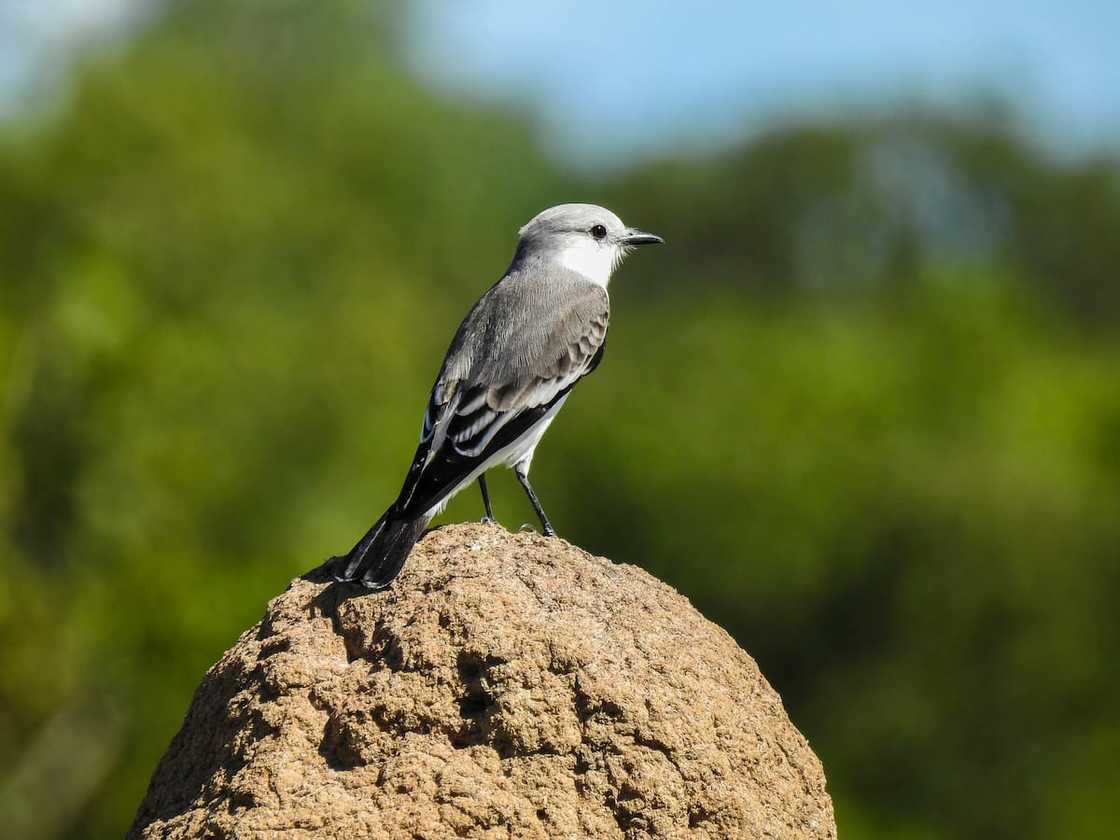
point(510, 367)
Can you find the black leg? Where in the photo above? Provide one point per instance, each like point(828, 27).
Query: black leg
point(489, 517)
point(546, 526)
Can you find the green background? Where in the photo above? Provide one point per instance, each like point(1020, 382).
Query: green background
point(863, 408)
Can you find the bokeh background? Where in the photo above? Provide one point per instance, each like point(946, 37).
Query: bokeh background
point(863, 409)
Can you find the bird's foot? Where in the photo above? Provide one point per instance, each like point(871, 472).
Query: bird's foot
point(488, 520)
point(547, 530)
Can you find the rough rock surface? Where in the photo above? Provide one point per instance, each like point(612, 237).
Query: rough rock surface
point(507, 685)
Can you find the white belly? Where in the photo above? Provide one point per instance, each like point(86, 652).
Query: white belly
point(518, 454)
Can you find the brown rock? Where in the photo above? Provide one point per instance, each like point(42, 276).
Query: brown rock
point(507, 685)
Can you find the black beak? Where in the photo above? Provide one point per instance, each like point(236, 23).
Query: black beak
point(633, 236)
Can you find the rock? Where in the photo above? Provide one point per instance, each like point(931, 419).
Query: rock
point(507, 685)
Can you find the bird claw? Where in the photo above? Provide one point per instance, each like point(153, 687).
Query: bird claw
point(547, 531)
point(488, 520)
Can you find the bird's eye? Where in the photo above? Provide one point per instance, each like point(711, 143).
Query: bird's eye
point(599, 232)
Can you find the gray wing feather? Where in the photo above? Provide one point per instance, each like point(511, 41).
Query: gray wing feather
point(532, 335)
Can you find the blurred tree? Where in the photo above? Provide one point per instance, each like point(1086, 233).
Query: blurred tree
point(856, 210)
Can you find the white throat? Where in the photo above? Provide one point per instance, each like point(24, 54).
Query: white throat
point(594, 261)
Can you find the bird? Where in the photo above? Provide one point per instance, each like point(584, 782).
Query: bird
point(510, 368)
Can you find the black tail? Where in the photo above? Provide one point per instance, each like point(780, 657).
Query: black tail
point(379, 556)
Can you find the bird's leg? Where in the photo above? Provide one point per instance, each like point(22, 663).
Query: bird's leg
point(546, 526)
point(489, 517)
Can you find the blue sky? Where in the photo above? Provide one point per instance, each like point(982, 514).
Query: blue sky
point(36, 35)
point(613, 80)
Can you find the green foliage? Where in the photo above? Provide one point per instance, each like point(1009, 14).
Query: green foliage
point(862, 408)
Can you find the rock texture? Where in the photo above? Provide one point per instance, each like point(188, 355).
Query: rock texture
point(507, 685)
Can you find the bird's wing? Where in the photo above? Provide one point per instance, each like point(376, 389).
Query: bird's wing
point(519, 351)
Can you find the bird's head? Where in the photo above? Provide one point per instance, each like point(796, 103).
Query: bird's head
point(582, 237)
